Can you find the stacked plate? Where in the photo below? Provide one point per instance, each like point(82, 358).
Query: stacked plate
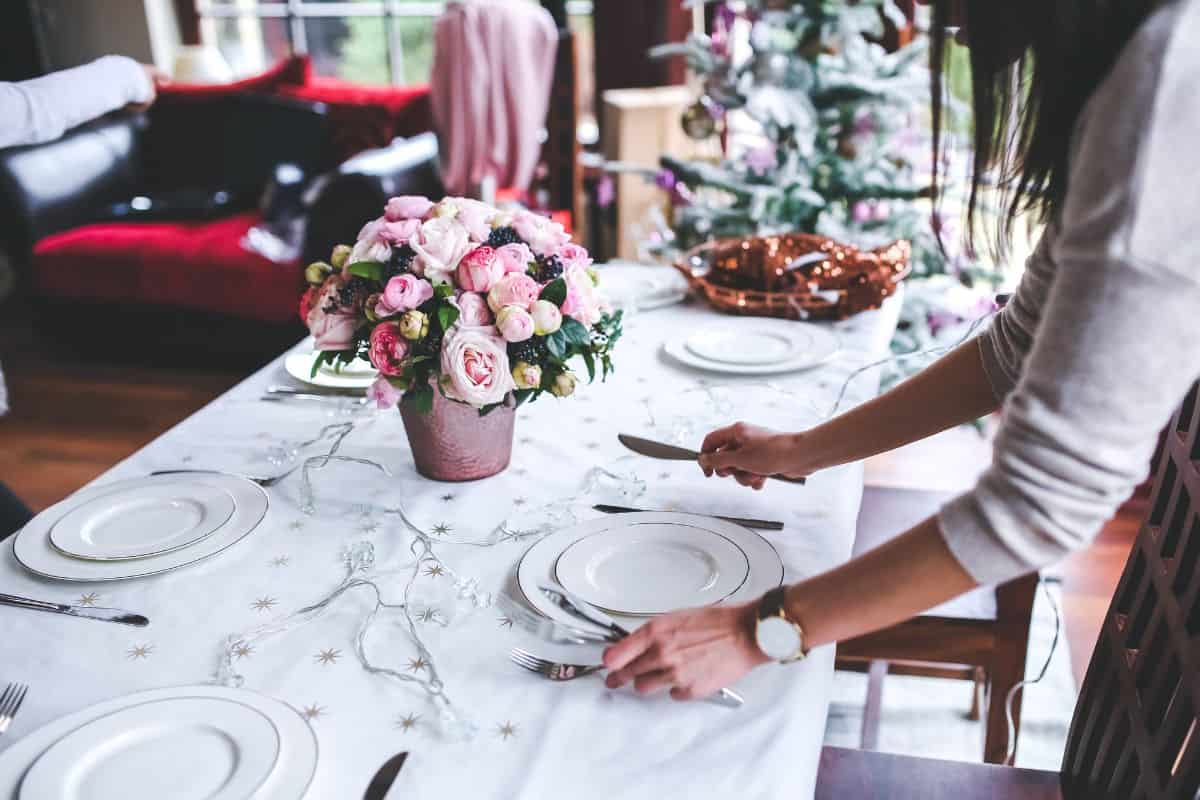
point(357, 374)
point(139, 527)
point(206, 741)
point(641, 565)
point(755, 346)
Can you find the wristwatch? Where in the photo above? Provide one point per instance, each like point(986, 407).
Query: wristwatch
point(779, 636)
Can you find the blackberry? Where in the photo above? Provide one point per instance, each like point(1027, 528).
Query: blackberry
point(531, 351)
point(502, 236)
point(354, 293)
point(546, 268)
point(401, 260)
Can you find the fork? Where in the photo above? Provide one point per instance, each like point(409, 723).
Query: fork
point(265, 482)
point(10, 703)
point(551, 669)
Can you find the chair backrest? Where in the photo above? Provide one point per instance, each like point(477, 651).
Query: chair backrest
point(1136, 732)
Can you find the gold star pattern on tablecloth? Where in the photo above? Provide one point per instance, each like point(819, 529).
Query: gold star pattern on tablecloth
point(242, 650)
point(506, 730)
point(435, 570)
point(328, 656)
point(664, 476)
point(417, 664)
point(263, 603)
point(311, 713)
point(139, 651)
point(279, 561)
point(441, 529)
point(505, 622)
point(407, 722)
point(370, 526)
point(88, 599)
point(446, 498)
point(428, 615)
point(295, 525)
point(519, 501)
point(520, 472)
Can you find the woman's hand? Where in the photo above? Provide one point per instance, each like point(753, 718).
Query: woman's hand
point(750, 454)
point(693, 653)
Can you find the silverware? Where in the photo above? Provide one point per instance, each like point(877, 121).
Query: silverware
point(88, 612)
point(580, 608)
point(265, 482)
point(10, 703)
point(551, 669)
point(385, 776)
point(746, 522)
point(546, 629)
point(653, 449)
point(277, 393)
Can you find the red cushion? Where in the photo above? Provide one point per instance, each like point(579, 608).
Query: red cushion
point(294, 70)
point(192, 265)
point(366, 117)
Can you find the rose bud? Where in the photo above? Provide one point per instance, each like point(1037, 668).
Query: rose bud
point(527, 376)
point(514, 323)
point(414, 325)
point(369, 307)
point(546, 318)
point(564, 385)
point(339, 256)
point(316, 272)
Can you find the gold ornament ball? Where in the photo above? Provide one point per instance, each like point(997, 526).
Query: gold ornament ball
point(697, 122)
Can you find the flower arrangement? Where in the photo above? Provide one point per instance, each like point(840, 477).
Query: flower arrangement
point(458, 295)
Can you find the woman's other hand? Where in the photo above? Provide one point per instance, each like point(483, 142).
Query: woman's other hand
point(750, 454)
point(692, 653)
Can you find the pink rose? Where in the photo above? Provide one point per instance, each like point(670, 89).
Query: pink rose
point(474, 216)
point(403, 293)
point(398, 233)
point(514, 323)
point(388, 348)
point(544, 235)
point(383, 393)
point(331, 324)
point(572, 255)
point(475, 366)
point(515, 257)
point(473, 310)
point(584, 302)
point(479, 269)
point(370, 245)
point(441, 244)
point(514, 289)
point(409, 206)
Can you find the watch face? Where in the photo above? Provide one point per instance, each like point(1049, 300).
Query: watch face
point(778, 638)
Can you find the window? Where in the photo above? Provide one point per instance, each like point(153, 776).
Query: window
point(363, 41)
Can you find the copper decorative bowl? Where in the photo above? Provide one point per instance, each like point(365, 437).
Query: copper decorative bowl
point(794, 275)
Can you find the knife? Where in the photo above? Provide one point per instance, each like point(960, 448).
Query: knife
point(746, 522)
point(385, 776)
point(653, 449)
point(582, 609)
point(88, 612)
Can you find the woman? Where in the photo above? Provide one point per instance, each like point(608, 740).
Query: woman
point(1089, 359)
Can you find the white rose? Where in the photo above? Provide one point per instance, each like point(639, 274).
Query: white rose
point(440, 245)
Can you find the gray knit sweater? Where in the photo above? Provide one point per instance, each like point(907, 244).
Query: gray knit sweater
point(1102, 338)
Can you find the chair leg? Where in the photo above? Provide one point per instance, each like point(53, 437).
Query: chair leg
point(873, 708)
point(979, 678)
point(1014, 607)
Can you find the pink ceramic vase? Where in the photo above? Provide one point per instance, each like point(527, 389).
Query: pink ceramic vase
point(454, 443)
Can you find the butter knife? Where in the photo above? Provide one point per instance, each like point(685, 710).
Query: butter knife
point(745, 522)
point(582, 609)
point(653, 449)
point(385, 776)
point(86, 612)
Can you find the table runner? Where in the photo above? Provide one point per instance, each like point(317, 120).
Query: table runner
point(532, 738)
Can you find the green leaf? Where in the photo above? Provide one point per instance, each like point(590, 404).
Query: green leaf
point(556, 344)
point(521, 395)
point(575, 332)
point(447, 316)
point(443, 291)
point(555, 291)
point(590, 360)
point(371, 270)
point(420, 399)
point(322, 358)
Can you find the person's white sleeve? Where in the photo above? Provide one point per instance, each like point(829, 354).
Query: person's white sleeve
point(43, 109)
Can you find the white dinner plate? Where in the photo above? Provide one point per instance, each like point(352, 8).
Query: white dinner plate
point(653, 568)
point(34, 551)
point(536, 567)
point(218, 748)
point(294, 768)
point(753, 346)
point(145, 521)
point(355, 375)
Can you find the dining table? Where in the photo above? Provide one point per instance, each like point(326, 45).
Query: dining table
point(370, 599)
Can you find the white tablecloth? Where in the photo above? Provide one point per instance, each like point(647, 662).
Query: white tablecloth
point(535, 739)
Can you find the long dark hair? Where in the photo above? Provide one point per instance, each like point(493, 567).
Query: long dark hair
point(1034, 64)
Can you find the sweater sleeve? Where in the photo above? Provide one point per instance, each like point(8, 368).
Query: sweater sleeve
point(1113, 349)
point(42, 109)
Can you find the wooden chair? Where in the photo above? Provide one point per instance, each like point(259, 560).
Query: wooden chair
point(1136, 730)
point(981, 637)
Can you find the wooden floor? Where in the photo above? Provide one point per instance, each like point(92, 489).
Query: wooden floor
point(73, 419)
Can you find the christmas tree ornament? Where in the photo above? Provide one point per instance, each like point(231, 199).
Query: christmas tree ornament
point(697, 122)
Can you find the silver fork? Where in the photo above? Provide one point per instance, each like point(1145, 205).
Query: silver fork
point(10, 703)
point(265, 482)
point(551, 669)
